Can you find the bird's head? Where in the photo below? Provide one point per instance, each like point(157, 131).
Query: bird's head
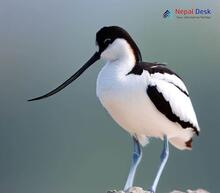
point(114, 43)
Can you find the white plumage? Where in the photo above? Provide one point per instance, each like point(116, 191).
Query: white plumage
point(125, 98)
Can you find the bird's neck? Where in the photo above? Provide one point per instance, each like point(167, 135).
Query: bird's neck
point(123, 65)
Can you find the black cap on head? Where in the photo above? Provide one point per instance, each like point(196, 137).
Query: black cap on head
point(107, 35)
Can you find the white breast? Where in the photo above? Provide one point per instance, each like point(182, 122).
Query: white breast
point(119, 95)
point(126, 100)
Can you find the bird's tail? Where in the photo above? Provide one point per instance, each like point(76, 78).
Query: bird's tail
point(180, 144)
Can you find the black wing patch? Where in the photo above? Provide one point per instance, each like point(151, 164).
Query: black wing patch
point(153, 68)
point(164, 107)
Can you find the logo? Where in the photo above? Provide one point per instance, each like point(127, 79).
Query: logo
point(193, 11)
point(190, 13)
point(167, 14)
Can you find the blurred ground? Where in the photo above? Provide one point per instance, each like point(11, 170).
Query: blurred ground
point(140, 190)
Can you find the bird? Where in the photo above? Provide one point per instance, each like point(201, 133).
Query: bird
point(146, 99)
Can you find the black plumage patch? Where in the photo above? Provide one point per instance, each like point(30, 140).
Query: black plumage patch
point(164, 107)
point(153, 68)
point(189, 143)
point(107, 35)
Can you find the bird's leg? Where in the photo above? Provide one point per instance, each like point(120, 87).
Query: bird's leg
point(136, 158)
point(163, 160)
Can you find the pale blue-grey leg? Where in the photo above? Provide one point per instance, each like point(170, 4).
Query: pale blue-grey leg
point(163, 158)
point(136, 158)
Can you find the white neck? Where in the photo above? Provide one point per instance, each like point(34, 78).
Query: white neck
point(121, 55)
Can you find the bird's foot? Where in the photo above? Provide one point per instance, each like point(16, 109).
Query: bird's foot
point(151, 190)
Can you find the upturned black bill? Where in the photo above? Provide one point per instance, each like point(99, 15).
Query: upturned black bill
point(92, 60)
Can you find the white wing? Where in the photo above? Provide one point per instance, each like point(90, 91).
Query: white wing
point(175, 93)
point(171, 78)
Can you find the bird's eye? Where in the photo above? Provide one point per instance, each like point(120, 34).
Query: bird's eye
point(107, 41)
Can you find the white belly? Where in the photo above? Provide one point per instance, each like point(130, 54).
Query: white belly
point(126, 100)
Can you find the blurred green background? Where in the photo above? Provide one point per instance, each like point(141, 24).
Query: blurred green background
point(68, 143)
